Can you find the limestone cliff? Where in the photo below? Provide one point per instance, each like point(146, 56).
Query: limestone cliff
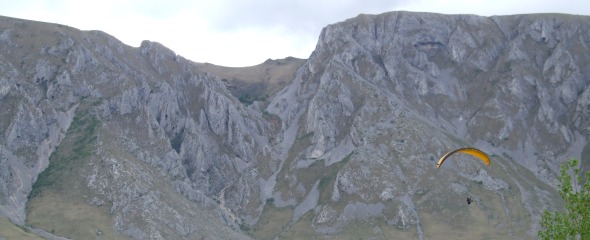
point(146, 144)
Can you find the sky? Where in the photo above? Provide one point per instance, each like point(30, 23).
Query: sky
point(238, 33)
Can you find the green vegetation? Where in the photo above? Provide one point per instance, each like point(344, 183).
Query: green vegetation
point(76, 147)
point(58, 201)
point(574, 222)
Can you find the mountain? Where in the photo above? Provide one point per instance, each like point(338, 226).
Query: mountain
point(106, 141)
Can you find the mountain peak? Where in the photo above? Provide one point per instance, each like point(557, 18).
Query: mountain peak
point(146, 144)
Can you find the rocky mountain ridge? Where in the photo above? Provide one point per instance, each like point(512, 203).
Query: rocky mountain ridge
point(153, 146)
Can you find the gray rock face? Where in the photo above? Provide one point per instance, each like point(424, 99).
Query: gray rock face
point(352, 139)
point(400, 89)
point(160, 153)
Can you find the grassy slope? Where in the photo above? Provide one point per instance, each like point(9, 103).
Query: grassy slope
point(9, 230)
point(58, 202)
point(496, 215)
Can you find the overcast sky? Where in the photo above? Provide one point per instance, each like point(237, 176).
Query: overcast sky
point(246, 32)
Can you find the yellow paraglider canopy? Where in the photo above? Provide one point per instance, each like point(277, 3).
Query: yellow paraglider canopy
point(472, 151)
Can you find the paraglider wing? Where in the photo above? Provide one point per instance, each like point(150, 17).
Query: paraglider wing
point(472, 151)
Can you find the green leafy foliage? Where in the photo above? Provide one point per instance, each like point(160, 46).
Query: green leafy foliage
point(574, 222)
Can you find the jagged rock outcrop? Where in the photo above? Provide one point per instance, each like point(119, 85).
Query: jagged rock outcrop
point(153, 141)
point(388, 93)
point(149, 145)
